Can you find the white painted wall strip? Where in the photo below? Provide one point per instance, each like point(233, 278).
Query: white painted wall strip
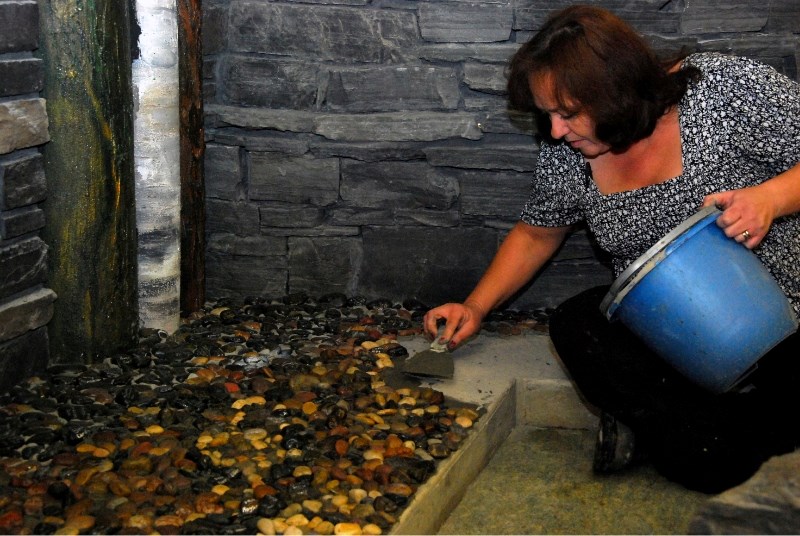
point(157, 163)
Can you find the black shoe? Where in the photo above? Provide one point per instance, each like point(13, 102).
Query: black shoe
point(615, 446)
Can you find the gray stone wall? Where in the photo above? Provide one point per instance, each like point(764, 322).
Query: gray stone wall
point(363, 146)
point(26, 305)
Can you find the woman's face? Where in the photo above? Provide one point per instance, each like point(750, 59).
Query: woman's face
point(572, 125)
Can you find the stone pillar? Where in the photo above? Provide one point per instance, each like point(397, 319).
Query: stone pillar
point(157, 156)
point(90, 214)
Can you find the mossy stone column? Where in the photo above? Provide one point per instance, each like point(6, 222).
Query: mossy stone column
point(90, 210)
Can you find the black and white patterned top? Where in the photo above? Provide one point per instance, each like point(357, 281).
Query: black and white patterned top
point(740, 126)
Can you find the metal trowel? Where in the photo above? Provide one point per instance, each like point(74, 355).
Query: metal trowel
point(435, 362)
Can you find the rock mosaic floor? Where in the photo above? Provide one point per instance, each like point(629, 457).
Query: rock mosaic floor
point(269, 416)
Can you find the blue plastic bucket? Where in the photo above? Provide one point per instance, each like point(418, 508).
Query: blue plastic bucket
point(702, 301)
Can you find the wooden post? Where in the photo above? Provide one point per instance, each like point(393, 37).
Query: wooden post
point(90, 211)
point(192, 150)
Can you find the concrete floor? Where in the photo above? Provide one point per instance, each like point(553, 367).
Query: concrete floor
point(540, 481)
point(526, 469)
point(488, 365)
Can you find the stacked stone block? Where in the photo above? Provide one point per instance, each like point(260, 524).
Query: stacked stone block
point(26, 305)
point(365, 147)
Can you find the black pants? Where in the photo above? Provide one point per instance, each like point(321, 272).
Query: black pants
point(707, 442)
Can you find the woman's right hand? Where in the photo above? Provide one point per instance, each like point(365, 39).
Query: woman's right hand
point(522, 253)
point(462, 320)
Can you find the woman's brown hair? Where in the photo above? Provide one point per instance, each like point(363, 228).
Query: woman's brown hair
point(600, 63)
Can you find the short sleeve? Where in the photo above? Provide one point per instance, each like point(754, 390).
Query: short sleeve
point(763, 106)
point(556, 189)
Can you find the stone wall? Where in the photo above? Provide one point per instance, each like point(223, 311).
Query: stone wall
point(364, 147)
point(26, 305)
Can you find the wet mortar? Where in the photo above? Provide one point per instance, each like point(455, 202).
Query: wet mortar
point(272, 416)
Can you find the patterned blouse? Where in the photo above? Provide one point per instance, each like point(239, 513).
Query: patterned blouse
point(740, 126)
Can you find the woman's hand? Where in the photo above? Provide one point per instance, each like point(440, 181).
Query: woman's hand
point(522, 253)
point(754, 209)
point(462, 321)
point(747, 214)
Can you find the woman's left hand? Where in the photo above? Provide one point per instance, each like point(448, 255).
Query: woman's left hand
point(747, 214)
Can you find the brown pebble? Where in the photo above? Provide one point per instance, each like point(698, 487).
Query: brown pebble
point(347, 528)
point(324, 528)
point(82, 522)
point(208, 503)
point(297, 520)
point(398, 488)
point(342, 446)
point(464, 421)
point(33, 505)
point(305, 396)
point(264, 490)
point(266, 527)
point(67, 459)
point(438, 449)
point(168, 520)
point(302, 471)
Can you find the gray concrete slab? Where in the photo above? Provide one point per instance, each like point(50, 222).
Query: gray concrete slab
point(489, 364)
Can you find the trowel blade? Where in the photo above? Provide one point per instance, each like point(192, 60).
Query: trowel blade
point(430, 363)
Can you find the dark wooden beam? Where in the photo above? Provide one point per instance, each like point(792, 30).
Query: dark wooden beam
point(192, 149)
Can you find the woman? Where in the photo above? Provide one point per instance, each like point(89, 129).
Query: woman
point(635, 147)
